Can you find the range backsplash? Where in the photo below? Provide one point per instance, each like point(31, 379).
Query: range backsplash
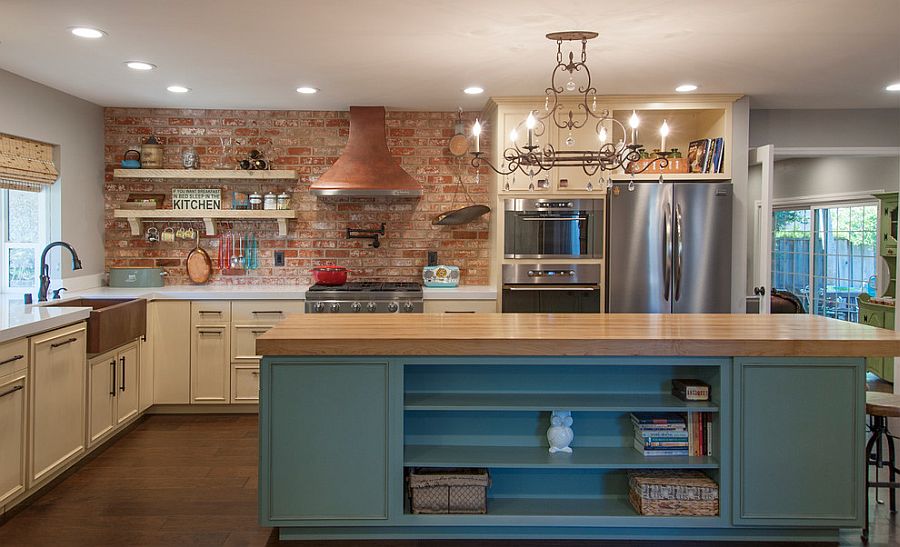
point(309, 142)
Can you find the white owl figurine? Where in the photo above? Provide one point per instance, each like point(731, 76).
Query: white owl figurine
point(560, 433)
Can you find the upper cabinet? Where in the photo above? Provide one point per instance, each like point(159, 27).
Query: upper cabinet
point(705, 120)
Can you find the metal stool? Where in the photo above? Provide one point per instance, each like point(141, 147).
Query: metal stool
point(879, 407)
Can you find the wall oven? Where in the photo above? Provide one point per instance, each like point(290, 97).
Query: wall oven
point(553, 228)
point(551, 288)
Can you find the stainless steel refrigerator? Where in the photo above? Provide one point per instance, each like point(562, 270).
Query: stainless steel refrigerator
point(669, 248)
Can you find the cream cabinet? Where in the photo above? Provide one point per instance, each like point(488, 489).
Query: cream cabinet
point(210, 352)
point(13, 389)
point(169, 339)
point(460, 306)
point(58, 392)
point(113, 391)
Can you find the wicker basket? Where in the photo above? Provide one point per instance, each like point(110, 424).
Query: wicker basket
point(435, 490)
point(673, 492)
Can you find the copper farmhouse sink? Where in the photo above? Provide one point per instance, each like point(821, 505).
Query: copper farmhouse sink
point(113, 321)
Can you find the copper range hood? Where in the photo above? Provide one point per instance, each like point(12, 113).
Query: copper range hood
point(366, 167)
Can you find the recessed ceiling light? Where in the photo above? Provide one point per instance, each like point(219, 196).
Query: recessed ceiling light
point(307, 90)
point(893, 87)
point(139, 65)
point(87, 32)
point(178, 89)
point(474, 90)
point(686, 88)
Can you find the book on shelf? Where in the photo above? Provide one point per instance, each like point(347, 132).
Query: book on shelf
point(673, 434)
point(659, 451)
point(690, 390)
point(706, 155)
point(658, 418)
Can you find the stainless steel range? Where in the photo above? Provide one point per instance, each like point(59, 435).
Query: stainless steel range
point(365, 297)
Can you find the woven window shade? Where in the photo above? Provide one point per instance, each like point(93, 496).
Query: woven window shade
point(26, 164)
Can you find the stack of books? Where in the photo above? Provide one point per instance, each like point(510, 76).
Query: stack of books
point(706, 155)
point(672, 434)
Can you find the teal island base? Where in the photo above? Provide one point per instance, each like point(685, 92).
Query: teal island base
point(338, 434)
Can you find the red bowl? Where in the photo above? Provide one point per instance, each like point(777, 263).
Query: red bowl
point(329, 275)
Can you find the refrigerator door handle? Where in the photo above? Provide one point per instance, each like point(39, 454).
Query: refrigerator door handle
point(679, 252)
point(667, 252)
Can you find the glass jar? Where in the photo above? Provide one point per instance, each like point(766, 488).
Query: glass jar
point(256, 201)
point(270, 201)
point(284, 201)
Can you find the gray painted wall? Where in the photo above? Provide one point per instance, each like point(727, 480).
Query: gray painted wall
point(807, 128)
point(800, 177)
point(31, 110)
point(742, 203)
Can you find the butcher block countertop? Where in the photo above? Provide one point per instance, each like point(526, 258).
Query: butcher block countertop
point(575, 334)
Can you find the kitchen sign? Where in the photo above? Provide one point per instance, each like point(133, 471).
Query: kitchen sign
point(193, 199)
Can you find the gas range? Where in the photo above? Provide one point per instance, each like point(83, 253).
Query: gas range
point(365, 297)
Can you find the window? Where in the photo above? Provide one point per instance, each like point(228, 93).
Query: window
point(24, 234)
point(826, 255)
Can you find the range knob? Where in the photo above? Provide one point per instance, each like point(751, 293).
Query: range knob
point(408, 307)
point(371, 307)
point(318, 307)
point(355, 307)
point(335, 307)
point(392, 307)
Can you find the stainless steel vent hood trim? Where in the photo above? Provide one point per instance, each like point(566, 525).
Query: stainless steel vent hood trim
point(366, 167)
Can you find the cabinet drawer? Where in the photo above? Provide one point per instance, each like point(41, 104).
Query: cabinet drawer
point(13, 356)
point(243, 342)
point(245, 384)
point(460, 306)
point(210, 312)
point(264, 311)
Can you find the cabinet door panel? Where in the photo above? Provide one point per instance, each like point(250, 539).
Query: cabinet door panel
point(798, 450)
point(327, 454)
point(210, 365)
point(243, 342)
point(127, 384)
point(12, 436)
point(58, 380)
point(101, 396)
point(245, 384)
point(171, 338)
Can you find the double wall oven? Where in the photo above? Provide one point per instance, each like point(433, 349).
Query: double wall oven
point(551, 288)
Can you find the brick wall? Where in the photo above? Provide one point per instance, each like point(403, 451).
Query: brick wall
point(308, 142)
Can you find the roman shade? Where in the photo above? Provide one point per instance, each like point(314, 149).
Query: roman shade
point(26, 164)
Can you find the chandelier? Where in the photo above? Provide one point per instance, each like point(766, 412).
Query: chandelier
point(530, 158)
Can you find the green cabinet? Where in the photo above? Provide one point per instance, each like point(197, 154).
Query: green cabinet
point(881, 316)
point(325, 429)
point(887, 224)
point(793, 463)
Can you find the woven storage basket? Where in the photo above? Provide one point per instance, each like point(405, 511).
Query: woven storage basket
point(435, 490)
point(673, 492)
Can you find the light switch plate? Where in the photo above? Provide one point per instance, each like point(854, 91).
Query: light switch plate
point(279, 258)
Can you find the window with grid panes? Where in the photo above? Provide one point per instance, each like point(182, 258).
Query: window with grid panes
point(24, 234)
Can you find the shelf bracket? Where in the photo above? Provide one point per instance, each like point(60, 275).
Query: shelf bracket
point(210, 226)
point(282, 226)
point(136, 228)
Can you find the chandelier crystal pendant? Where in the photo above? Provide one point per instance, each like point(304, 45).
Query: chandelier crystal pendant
point(531, 158)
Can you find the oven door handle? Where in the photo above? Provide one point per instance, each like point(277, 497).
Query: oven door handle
point(555, 288)
point(543, 219)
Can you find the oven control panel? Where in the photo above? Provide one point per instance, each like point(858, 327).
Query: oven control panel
point(552, 273)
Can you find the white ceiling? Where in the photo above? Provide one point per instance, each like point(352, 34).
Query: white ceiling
point(420, 54)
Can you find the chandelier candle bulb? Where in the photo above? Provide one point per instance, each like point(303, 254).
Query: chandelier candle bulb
point(476, 130)
point(602, 135)
point(530, 122)
point(663, 132)
point(513, 137)
point(634, 122)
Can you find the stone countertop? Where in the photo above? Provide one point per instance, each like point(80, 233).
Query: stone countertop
point(18, 320)
point(576, 334)
point(261, 292)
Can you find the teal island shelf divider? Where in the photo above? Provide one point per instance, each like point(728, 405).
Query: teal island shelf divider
point(337, 435)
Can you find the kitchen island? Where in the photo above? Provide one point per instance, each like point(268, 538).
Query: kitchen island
point(348, 404)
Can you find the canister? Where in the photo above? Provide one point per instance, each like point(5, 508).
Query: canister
point(270, 201)
point(151, 154)
point(256, 201)
point(284, 201)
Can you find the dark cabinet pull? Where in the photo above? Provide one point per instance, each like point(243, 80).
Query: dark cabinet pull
point(13, 390)
point(58, 344)
point(210, 332)
point(122, 385)
point(112, 365)
point(210, 311)
point(12, 359)
point(279, 312)
point(257, 332)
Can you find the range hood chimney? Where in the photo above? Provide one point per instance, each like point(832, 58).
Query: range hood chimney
point(366, 167)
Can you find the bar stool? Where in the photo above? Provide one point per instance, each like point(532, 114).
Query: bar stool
point(880, 407)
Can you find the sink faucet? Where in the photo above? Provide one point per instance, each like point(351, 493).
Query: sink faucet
point(45, 269)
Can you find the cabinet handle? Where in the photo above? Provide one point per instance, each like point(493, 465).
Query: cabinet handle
point(122, 385)
point(255, 373)
point(210, 311)
point(112, 365)
point(12, 359)
point(12, 390)
point(271, 312)
point(219, 332)
point(58, 344)
point(258, 332)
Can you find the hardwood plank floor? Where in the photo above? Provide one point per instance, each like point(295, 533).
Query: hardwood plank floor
point(191, 480)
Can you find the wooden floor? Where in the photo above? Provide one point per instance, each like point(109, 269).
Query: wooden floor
point(191, 480)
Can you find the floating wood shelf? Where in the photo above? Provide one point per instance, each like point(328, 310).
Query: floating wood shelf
point(204, 174)
point(136, 217)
